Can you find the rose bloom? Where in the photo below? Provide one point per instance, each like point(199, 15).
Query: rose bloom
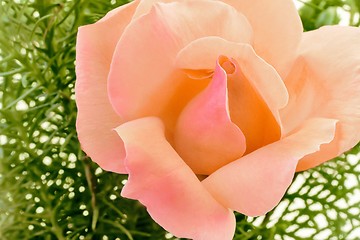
point(211, 106)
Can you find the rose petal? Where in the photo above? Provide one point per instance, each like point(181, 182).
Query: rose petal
point(256, 91)
point(264, 79)
point(211, 16)
point(205, 136)
point(155, 38)
point(202, 53)
point(96, 118)
point(304, 96)
point(145, 7)
point(255, 183)
point(329, 87)
point(161, 181)
point(219, 19)
point(256, 94)
point(277, 30)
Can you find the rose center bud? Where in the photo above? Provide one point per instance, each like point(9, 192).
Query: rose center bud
point(205, 136)
point(228, 119)
point(227, 65)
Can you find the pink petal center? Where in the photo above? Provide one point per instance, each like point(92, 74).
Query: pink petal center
point(205, 137)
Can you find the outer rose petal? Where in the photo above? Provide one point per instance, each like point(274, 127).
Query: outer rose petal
point(255, 183)
point(277, 30)
point(161, 181)
point(96, 118)
point(330, 88)
point(205, 136)
point(276, 24)
point(155, 39)
point(145, 6)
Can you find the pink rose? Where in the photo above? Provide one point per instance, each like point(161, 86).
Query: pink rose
point(215, 104)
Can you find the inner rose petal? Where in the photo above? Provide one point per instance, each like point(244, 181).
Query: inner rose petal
point(205, 137)
point(256, 91)
point(249, 111)
point(227, 65)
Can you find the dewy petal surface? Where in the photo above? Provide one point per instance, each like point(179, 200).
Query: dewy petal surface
point(169, 189)
point(331, 77)
point(140, 76)
point(255, 183)
point(96, 118)
point(205, 136)
point(277, 30)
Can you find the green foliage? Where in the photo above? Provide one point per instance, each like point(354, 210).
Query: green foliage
point(317, 13)
point(50, 190)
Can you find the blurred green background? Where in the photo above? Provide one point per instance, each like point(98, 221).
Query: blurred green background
point(50, 190)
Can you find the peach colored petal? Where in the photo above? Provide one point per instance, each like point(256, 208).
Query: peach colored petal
point(307, 97)
point(146, 5)
point(96, 118)
point(255, 183)
point(277, 30)
point(329, 87)
point(256, 91)
point(175, 104)
point(161, 181)
point(205, 137)
point(137, 84)
point(202, 53)
point(251, 114)
point(263, 78)
point(188, 21)
point(118, 13)
point(304, 97)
